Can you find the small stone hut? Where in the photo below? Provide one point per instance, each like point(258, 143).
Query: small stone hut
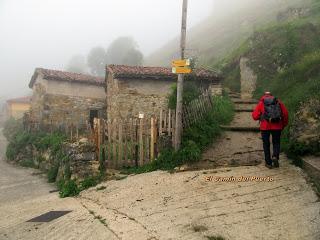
point(61, 98)
point(134, 89)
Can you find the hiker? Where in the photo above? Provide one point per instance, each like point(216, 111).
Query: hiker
point(273, 117)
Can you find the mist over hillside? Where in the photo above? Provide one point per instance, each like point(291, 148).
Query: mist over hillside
point(230, 24)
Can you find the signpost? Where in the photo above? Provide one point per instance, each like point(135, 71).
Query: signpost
point(181, 66)
point(181, 70)
point(181, 63)
point(178, 131)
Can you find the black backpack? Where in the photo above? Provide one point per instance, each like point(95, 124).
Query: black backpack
point(272, 110)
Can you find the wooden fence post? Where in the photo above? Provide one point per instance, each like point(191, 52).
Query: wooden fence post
point(120, 144)
point(160, 123)
point(152, 139)
point(141, 157)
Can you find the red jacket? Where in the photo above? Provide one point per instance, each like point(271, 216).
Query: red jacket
point(264, 124)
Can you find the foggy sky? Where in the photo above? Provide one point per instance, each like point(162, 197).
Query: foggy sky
point(47, 33)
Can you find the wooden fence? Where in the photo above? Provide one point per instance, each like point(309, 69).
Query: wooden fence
point(135, 142)
point(196, 109)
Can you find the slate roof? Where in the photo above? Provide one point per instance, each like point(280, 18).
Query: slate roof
point(20, 100)
point(49, 74)
point(139, 72)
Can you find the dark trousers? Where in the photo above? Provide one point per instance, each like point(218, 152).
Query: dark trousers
point(276, 134)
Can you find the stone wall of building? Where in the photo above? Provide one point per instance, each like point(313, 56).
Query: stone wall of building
point(126, 98)
point(58, 109)
point(61, 103)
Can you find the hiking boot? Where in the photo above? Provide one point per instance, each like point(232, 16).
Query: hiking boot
point(275, 162)
point(268, 165)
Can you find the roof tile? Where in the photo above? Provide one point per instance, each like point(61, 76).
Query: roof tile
point(66, 76)
point(123, 71)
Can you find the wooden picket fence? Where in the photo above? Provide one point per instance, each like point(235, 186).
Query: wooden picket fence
point(132, 142)
point(196, 109)
point(135, 142)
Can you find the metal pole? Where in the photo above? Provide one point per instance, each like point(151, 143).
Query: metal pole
point(178, 132)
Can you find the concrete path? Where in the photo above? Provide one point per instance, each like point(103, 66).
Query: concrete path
point(25, 194)
point(198, 205)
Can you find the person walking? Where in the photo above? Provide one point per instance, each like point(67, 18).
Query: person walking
point(273, 117)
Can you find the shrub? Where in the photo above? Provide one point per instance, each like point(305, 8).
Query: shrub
point(190, 92)
point(11, 128)
point(68, 188)
point(89, 182)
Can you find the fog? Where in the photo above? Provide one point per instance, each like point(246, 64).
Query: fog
point(47, 33)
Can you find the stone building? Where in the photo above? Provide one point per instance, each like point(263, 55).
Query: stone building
point(61, 98)
point(16, 107)
point(134, 89)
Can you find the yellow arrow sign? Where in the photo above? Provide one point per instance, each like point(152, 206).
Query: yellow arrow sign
point(181, 63)
point(181, 70)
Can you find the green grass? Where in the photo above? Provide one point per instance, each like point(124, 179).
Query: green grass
point(27, 163)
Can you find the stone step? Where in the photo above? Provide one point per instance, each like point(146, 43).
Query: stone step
point(243, 110)
point(242, 101)
point(235, 95)
point(240, 128)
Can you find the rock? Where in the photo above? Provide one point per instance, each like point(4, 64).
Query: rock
point(83, 140)
point(183, 168)
point(306, 126)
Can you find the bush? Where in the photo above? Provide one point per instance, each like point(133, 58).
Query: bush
point(190, 92)
point(89, 182)
point(68, 188)
point(11, 128)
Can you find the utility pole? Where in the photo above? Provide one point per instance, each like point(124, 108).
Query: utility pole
point(178, 132)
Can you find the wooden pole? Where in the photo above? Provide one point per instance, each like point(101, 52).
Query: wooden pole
point(152, 140)
point(178, 129)
point(141, 155)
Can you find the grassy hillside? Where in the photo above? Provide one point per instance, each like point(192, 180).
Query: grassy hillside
point(220, 33)
point(286, 59)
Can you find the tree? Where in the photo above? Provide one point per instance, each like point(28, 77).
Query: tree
point(77, 64)
point(97, 61)
point(124, 50)
point(133, 57)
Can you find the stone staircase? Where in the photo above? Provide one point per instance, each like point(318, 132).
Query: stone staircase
point(242, 121)
point(240, 144)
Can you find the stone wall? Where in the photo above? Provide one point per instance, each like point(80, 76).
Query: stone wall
point(127, 97)
point(59, 109)
point(248, 79)
point(55, 103)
